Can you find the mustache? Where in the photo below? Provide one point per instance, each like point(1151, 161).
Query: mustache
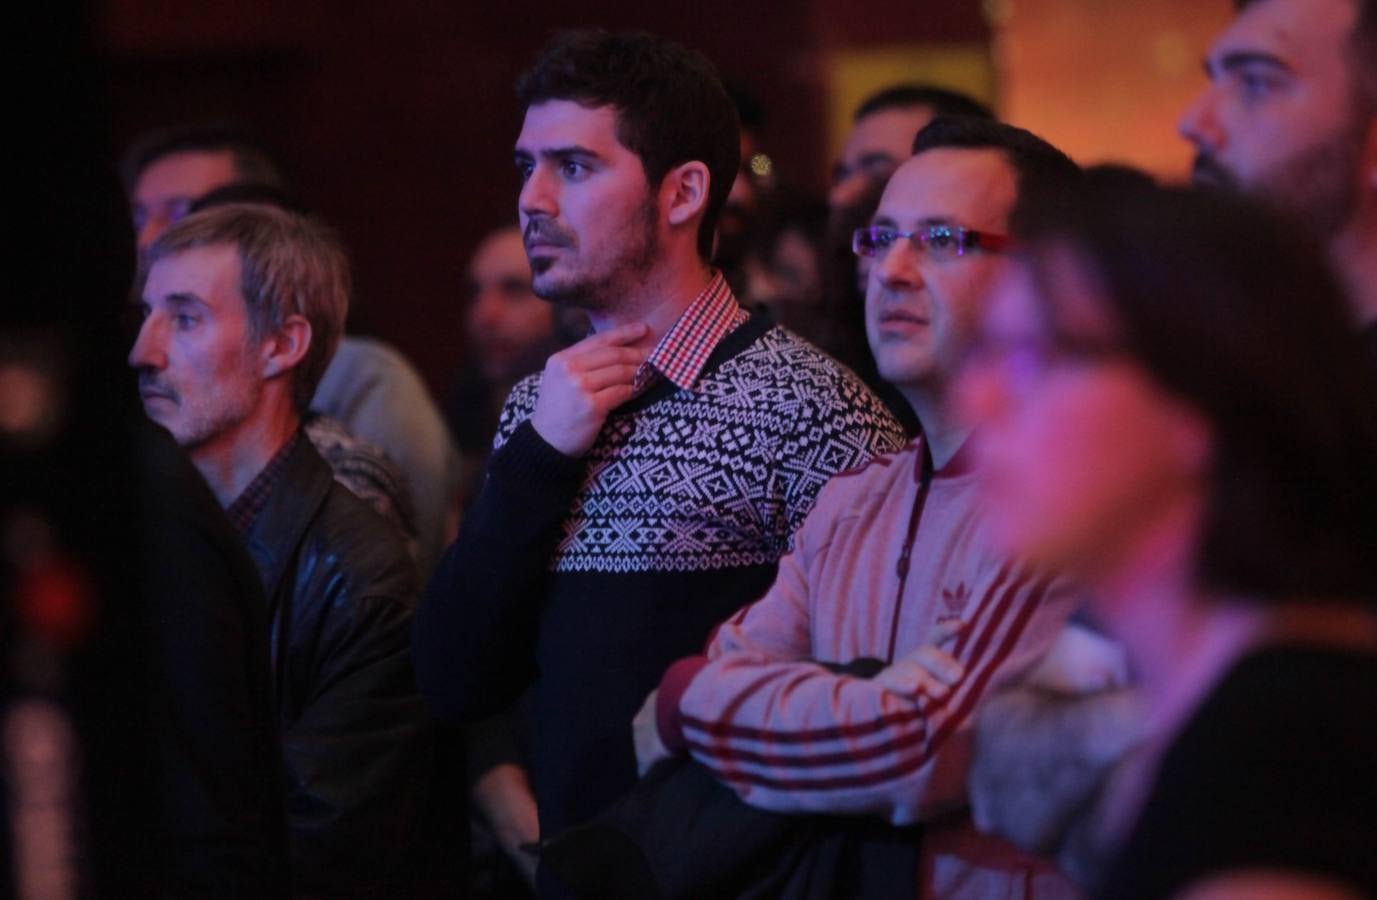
point(149, 383)
point(544, 231)
point(1208, 172)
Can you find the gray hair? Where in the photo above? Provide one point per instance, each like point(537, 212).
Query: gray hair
point(290, 265)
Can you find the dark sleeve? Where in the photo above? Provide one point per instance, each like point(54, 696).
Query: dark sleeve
point(475, 636)
point(504, 738)
point(223, 831)
point(360, 756)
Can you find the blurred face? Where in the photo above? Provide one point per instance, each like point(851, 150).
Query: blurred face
point(1079, 447)
point(875, 147)
point(789, 277)
point(921, 310)
point(1279, 118)
point(589, 218)
point(509, 326)
point(167, 188)
point(200, 375)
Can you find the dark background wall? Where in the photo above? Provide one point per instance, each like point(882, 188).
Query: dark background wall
point(397, 118)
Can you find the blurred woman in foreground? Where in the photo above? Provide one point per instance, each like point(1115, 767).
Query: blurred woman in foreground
point(1171, 404)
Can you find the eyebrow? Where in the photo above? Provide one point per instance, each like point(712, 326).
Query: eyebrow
point(1238, 59)
point(929, 222)
point(556, 153)
point(184, 298)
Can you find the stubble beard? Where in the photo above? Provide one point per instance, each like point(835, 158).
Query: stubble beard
point(638, 243)
point(1316, 186)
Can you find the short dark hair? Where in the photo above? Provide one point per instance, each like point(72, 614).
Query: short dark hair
point(670, 103)
point(249, 192)
point(942, 102)
point(1043, 172)
point(1362, 52)
point(253, 160)
point(1233, 310)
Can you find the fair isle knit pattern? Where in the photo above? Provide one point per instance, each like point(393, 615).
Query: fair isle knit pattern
point(720, 476)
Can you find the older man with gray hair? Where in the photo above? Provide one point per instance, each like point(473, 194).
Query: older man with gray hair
point(242, 308)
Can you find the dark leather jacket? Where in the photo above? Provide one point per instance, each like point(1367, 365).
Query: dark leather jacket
point(358, 745)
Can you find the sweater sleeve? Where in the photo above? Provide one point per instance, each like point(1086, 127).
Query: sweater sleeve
point(475, 635)
point(788, 735)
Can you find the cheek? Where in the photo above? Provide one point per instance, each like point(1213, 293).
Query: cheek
point(1066, 470)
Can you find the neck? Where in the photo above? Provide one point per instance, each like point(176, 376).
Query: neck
point(1354, 255)
point(659, 299)
point(942, 431)
point(234, 458)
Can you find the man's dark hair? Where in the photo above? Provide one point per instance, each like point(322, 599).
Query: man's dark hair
point(1233, 310)
point(253, 161)
point(942, 102)
point(670, 103)
point(1362, 52)
point(249, 192)
point(1044, 172)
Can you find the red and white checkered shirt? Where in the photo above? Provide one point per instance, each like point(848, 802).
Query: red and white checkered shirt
point(246, 507)
point(685, 348)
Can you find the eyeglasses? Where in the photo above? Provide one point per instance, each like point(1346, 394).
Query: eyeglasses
point(940, 242)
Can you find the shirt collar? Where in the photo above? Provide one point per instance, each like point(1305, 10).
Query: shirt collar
point(250, 502)
point(684, 350)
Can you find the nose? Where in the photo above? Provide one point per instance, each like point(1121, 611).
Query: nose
point(539, 195)
point(1199, 123)
point(485, 312)
point(149, 350)
point(900, 267)
point(846, 191)
point(155, 225)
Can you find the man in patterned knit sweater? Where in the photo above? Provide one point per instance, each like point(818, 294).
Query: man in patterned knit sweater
point(895, 562)
point(644, 486)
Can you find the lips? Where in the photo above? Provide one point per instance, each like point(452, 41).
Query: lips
point(150, 393)
point(901, 317)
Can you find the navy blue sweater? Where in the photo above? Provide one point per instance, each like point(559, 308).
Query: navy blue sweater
point(590, 576)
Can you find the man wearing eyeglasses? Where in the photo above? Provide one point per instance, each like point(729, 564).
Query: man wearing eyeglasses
point(893, 573)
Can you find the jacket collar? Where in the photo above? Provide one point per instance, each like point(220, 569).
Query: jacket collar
point(278, 530)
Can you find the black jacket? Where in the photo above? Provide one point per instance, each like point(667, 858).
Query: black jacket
point(358, 745)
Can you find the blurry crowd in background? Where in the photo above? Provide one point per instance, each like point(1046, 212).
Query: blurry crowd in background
point(990, 526)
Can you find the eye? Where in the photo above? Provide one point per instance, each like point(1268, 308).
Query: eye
point(524, 167)
point(1257, 83)
point(941, 239)
point(884, 237)
point(185, 321)
point(572, 169)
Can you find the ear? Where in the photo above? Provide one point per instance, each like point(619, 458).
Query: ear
point(285, 350)
point(685, 189)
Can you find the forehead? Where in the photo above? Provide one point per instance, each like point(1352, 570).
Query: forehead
point(186, 174)
point(211, 273)
point(500, 253)
point(564, 123)
point(972, 187)
point(1307, 35)
point(888, 131)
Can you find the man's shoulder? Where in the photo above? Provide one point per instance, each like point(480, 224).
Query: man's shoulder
point(807, 372)
point(878, 476)
point(358, 551)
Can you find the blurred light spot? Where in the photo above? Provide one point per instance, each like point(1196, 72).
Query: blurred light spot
point(761, 165)
point(1171, 52)
point(29, 408)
